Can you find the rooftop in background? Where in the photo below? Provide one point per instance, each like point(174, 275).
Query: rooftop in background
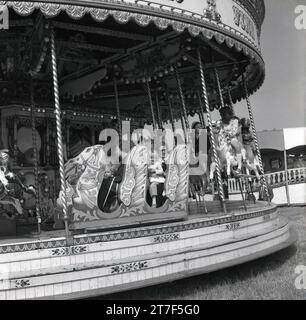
point(287, 138)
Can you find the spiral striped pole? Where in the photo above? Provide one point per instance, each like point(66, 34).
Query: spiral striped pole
point(201, 113)
point(37, 199)
point(59, 130)
point(178, 81)
point(255, 136)
point(118, 110)
point(219, 87)
point(160, 124)
point(147, 87)
point(212, 140)
point(230, 100)
point(186, 126)
point(171, 112)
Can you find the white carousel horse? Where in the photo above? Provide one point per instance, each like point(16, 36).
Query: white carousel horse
point(84, 175)
point(225, 151)
point(251, 162)
point(177, 178)
point(132, 191)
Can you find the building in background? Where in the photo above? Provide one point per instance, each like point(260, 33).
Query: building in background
point(284, 161)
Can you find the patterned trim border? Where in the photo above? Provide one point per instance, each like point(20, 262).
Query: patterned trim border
point(123, 12)
point(66, 251)
point(46, 244)
point(166, 237)
point(128, 267)
point(136, 232)
point(22, 283)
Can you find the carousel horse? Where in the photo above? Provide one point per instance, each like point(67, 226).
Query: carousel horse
point(251, 162)
point(97, 188)
point(84, 175)
point(177, 178)
point(226, 153)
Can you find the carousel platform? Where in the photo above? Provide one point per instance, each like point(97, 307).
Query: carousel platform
point(51, 267)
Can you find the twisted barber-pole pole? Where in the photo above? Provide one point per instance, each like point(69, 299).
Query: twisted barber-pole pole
point(230, 100)
point(255, 136)
point(219, 87)
point(201, 113)
point(158, 111)
point(59, 131)
point(185, 116)
point(171, 112)
point(147, 87)
point(212, 140)
point(118, 110)
point(184, 119)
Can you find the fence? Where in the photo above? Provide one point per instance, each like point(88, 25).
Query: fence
point(275, 179)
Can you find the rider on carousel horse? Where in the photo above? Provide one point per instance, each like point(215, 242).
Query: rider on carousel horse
point(230, 130)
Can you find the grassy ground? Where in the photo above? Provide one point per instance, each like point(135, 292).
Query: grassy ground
point(271, 277)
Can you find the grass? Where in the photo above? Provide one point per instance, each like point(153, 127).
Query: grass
point(270, 278)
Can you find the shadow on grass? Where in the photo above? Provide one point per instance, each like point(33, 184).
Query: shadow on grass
point(187, 287)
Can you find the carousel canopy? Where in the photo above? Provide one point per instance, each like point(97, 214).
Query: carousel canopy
point(131, 41)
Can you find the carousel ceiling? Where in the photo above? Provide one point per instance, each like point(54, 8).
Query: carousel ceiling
point(91, 54)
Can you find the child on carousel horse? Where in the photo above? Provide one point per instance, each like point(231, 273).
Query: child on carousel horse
point(247, 136)
point(230, 130)
point(157, 179)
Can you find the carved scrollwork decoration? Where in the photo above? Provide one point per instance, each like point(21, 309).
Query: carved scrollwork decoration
point(133, 188)
point(127, 186)
point(172, 179)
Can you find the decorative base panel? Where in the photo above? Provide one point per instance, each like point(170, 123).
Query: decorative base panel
point(114, 261)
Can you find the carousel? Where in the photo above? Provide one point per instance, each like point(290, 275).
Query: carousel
point(105, 185)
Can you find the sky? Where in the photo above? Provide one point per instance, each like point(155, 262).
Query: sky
point(280, 102)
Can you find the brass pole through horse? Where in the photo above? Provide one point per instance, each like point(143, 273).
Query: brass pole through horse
point(171, 111)
point(219, 86)
point(147, 87)
point(230, 100)
point(59, 130)
point(186, 126)
point(118, 109)
point(201, 113)
point(158, 110)
point(212, 140)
